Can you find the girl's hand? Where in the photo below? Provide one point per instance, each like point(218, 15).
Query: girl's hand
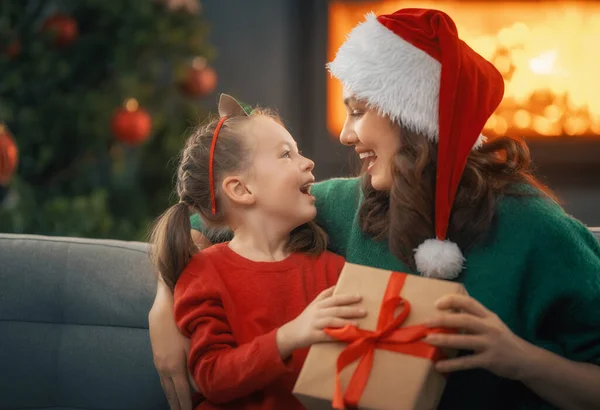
point(495, 347)
point(325, 311)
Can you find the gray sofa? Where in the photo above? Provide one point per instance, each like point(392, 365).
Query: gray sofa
point(74, 325)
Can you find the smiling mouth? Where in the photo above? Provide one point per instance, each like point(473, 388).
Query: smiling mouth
point(305, 189)
point(368, 158)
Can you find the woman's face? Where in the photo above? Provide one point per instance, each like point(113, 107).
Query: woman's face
point(375, 138)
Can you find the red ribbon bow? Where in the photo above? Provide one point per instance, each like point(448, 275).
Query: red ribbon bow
point(388, 336)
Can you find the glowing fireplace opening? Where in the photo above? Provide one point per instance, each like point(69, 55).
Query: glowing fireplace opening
point(547, 52)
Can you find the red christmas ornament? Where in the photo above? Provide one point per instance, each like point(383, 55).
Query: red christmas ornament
point(131, 124)
point(9, 155)
point(13, 49)
point(63, 27)
point(201, 79)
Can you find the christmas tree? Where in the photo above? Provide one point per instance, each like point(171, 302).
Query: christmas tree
point(96, 99)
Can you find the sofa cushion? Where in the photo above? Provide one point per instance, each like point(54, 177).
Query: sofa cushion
point(74, 324)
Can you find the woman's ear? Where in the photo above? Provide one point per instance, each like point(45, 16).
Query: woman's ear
point(229, 106)
point(236, 190)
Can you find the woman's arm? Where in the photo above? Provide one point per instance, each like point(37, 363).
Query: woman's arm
point(170, 350)
point(337, 201)
point(169, 347)
point(561, 309)
point(200, 240)
point(565, 383)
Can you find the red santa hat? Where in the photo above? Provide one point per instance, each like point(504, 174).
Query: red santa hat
point(412, 67)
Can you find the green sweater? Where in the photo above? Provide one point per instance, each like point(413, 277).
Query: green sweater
point(539, 272)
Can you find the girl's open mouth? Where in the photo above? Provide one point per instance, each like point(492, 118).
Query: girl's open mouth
point(305, 189)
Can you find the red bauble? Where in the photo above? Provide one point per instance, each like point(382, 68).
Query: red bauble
point(9, 155)
point(200, 79)
point(131, 124)
point(63, 27)
point(13, 49)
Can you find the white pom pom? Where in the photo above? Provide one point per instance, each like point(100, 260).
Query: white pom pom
point(439, 259)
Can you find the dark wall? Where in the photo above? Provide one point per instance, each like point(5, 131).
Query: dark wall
point(273, 52)
point(255, 42)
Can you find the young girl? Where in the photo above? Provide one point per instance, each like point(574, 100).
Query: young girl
point(253, 306)
point(417, 98)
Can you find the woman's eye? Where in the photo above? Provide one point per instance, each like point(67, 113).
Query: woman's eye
point(286, 154)
point(356, 113)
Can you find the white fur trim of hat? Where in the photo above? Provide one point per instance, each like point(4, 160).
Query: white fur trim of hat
point(396, 78)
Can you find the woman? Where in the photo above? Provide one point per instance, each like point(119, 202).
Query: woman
point(436, 200)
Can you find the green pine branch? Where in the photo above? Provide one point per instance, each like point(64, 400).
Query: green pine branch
point(73, 177)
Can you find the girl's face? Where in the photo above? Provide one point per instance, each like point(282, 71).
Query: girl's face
point(279, 177)
point(375, 138)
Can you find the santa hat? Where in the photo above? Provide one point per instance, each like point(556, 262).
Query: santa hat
point(412, 67)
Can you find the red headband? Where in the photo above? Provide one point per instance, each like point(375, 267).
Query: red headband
point(211, 160)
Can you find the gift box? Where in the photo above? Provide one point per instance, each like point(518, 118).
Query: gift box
point(382, 363)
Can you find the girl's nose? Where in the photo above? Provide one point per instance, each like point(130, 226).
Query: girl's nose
point(308, 164)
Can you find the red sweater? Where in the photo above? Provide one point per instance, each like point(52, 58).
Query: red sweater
point(231, 307)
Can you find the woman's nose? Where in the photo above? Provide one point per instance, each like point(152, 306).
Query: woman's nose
point(348, 137)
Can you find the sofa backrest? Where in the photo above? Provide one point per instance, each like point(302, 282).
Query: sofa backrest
point(74, 324)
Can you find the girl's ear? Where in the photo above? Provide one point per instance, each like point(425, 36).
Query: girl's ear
point(230, 106)
point(234, 187)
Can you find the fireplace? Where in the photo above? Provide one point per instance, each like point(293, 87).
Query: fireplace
point(546, 52)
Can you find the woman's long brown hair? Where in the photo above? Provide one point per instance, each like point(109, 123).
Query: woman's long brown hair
point(404, 216)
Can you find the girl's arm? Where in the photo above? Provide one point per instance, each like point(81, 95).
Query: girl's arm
point(223, 370)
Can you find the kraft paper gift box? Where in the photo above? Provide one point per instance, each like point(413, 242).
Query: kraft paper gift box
point(402, 378)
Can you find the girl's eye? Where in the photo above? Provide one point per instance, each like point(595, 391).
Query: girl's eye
point(286, 154)
point(356, 114)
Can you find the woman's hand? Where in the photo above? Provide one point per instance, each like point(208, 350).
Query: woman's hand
point(327, 310)
point(170, 349)
point(563, 383)
point(495, 347)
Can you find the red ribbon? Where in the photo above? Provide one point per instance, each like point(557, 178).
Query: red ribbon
point(388, 336)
